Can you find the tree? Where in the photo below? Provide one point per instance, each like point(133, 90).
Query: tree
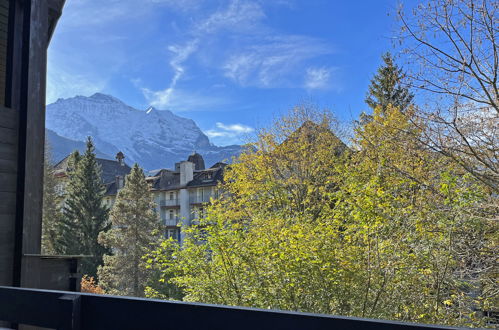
point(387, 87)
point(453, 50)
point(89, 285)
point(262, 243)
point(135, 229)
point(84, 216)
point(309, 225)
point(412, 209)
point(51, 211)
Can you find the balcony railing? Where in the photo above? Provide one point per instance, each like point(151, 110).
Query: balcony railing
point(168, 202)
point(171, 222)
point(200, 199)
point(72, 310)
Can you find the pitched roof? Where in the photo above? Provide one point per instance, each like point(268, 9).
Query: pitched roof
point(110, 169)
point(209, 177)
point(170, 180)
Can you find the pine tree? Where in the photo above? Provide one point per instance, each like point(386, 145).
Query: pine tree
point(84, 215)
point(386, 87)
point(51, 211)
point(135, 229)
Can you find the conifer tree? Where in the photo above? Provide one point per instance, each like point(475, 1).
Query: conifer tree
point(135, 229)
point(51, 211)
point(386, 87)
point(84, 215)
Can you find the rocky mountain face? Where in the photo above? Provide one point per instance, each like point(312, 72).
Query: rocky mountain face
point(153, 138)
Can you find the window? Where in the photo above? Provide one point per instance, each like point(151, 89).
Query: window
point(172, 233)
point(172, 195)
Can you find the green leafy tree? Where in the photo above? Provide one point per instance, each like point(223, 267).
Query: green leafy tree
point(387, 87)
point(308, 225)
point(135, 228)
point(51, 211)
point(84, 216)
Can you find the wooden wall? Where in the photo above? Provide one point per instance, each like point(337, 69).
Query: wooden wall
point(4, 20)
point(8, 178)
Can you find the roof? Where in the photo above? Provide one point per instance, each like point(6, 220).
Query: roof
point(110, 169)
point(198, 161)
point(209, 177)
point(170, 180)
point(165, 180)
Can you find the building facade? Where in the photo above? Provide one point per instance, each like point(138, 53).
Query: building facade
point(180, 194)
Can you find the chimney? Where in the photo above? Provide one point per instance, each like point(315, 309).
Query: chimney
point(186, 172)
point(120, 156)
point(120, 182)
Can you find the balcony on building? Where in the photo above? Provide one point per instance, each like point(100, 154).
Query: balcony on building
point(200, 199)
point(169, 203)
point(171, 222)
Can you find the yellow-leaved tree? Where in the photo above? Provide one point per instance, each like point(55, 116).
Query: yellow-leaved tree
point(306, 223)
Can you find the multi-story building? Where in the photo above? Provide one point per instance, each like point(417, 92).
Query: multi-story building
point(113, 174)
point(180, 194)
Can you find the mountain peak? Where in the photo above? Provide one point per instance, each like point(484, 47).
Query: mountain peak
point(104, 98)
point(154, 138)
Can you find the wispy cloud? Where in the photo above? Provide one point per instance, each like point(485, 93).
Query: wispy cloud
point(184, 100)
point(225, 134)
point(88, 14)
point(62, 83)
point(274, 62)
point(235, 128)
point(318, 78)
point(162, 98)
point(235, 41)
point(238, 16)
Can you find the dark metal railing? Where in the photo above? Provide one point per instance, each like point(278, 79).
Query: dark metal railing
point(70, 310)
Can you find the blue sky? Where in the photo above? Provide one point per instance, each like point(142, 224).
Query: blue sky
point(231, 65)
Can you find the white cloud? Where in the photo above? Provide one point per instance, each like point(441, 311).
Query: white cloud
point(317, 78)
point(88, 14)
point(239, 15)
point(274, 62)
point(228, 133)
point(162, 98)
point(181, 100)
point(64, 84)
point(235, 41)
point(235, 128)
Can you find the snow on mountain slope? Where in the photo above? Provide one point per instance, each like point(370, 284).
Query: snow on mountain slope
point(152, 138)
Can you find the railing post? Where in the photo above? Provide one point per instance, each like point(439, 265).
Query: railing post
point(70, 312)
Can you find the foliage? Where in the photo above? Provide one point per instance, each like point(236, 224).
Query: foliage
point(135, 228)
point(453, 48)
point(84, 215)
point(89, 285)
point(306, 224)
point(51, 211)
point(387, 87)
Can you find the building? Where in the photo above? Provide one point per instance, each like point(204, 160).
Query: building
point(180, 194)
point(113, 173)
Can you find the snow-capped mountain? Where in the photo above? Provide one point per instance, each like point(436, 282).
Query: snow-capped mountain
point(153, 138)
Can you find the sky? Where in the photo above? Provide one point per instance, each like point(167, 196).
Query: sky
point(230, 65)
